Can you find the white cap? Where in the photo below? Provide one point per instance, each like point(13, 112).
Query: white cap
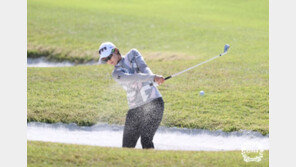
point(105, 50)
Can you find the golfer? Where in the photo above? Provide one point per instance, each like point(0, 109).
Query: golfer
point(145, 102)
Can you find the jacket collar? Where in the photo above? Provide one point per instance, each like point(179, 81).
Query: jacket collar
point(120, 63)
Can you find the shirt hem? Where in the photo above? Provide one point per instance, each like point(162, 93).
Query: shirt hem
point(148, 101)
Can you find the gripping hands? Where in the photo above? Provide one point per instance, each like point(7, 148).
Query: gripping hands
point(159, 79)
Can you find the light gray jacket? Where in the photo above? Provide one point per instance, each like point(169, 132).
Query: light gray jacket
point(133, 74)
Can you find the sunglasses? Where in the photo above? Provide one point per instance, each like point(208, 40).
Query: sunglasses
point(106, 59)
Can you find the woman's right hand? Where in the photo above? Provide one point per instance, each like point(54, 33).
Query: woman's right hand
point(159, 79)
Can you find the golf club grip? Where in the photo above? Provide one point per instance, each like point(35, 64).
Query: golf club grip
point(155, 84)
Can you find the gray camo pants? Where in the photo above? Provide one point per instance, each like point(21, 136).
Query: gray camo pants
point(143, 122)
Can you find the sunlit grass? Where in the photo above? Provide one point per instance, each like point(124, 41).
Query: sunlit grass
point(88, 94)
point(193, 28)
point(172, 36)
point(53, 154)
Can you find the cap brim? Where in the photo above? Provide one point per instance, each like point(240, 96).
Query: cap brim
point(102, 62)
point(104, 55)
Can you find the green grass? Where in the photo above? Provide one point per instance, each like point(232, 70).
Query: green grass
point(75, 28)
point(172, 36)
point(87, 94)
point(53, 154)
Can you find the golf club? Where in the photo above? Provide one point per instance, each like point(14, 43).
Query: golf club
point(226, 48)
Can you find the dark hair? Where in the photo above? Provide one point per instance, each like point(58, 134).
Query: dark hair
point(118, 51)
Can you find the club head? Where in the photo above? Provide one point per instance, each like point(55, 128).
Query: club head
point(226, 47)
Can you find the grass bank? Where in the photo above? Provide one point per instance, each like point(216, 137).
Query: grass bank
point(74, 29)
point(54, 154)
point(171, 35)
point(87, 94)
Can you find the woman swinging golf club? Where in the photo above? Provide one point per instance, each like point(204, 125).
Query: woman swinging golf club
point(145, 102)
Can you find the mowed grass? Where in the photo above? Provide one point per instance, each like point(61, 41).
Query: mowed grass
point(54, 154)
point(172, 36)
point(72, 29)
point(87, 94)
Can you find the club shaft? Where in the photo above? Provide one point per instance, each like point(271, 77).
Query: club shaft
point(195, 66)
